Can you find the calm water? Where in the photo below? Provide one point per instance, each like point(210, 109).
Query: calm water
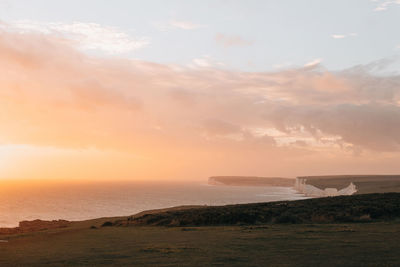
point(93, 200)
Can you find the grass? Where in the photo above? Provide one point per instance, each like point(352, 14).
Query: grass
point(373, 244)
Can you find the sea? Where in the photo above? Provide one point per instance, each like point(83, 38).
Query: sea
point(89, 200)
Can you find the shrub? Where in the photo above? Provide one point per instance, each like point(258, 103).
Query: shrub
point(107, 224)
point(288, 218)
point(365, 218)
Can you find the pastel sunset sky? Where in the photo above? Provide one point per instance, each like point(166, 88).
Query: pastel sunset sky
point(188, 89)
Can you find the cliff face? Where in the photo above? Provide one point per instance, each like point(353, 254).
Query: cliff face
point(251, 181)
point(312, 191)
point(333, 185)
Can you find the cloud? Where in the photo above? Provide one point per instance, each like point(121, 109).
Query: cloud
point(231, 40)
point(218, 127)
point(338, 36)
point(366, 126)
point(88, 36)
point(342, 36)
point(313, 63)
point(385, 5)
point(283, 65)
point(192, 122)
point(185, 25)
point(205, 62)
point(177, 24)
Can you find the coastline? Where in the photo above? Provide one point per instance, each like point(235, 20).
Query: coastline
point(339, 209)
point(75, 202)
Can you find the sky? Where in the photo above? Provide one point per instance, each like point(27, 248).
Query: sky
point(189, 89)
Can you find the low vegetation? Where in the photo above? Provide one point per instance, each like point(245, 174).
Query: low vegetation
point(343, 209)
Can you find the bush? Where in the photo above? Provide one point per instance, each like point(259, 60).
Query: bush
point(288, 218)
point(107, 224)
point(365, 218)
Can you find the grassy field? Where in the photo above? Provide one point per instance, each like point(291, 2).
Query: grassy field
point(368, 242)
point(359, 244)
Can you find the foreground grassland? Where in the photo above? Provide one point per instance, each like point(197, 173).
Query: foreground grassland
point(359, 230)
point(369, 244)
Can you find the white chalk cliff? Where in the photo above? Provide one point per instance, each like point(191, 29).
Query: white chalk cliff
point(311, 191)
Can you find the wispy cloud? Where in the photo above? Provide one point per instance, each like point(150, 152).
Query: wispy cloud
point(205, 62)
point(185, 25)
point(385, 5)
point(231, 40)
point(178, 24)
point(283, 65)
point(338, 36)
point(342, 36)
point(88, 36)
point(313, 63)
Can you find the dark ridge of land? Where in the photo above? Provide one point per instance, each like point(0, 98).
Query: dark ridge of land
point(341, 209)
point(42, 225)
point(251, 181)
point(379, 207)
point(365, 184)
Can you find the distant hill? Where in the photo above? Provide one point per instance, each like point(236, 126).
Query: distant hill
point(251, 181)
